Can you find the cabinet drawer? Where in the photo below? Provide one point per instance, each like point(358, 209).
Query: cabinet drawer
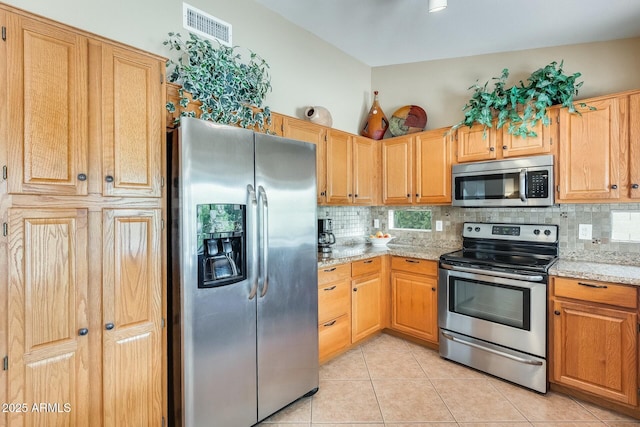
point(413, 265)
point(599, 292)
point(366, 266)
point(333, 273)
point(334, 336)
point(334, 300)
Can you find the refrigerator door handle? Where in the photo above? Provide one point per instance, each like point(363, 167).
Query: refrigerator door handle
point(252, 203)
point(263, 205)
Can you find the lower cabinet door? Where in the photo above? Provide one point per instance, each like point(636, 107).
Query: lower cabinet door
point(334, 336)
point(48, 375)
point(414, 305)
point(366, 307)
point(595, 349)
point(132, 315)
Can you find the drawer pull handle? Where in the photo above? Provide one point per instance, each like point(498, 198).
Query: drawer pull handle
point(591, 285)
point(329, 270)
point(331, 288)
point(369, 261)
point(557, 312)
point(333, 322)
point(412, 261)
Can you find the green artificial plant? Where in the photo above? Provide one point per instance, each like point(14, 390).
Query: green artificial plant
point(522, 106)
point(230, 89)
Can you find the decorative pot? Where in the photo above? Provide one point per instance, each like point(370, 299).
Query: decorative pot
point(377, 123)
point(318, 115)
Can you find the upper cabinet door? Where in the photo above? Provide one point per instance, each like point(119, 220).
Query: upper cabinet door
point(590, 158)
point(365, 170)
point(339, 170)
point(47, 108)
point(513, 146)
point(433, 167)
point(397, 171)
point(477, 143)
point(634, 146)
point(132, 123)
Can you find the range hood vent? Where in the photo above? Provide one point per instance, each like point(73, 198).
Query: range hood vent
point(205, 25)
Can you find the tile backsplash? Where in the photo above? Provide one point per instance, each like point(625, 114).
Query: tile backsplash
point(351, 224)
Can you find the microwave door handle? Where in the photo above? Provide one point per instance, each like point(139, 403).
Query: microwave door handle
point(523, 185)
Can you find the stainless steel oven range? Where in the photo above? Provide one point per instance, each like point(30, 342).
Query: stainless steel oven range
point(492, 300)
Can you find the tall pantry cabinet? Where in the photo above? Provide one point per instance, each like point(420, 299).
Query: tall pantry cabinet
point(81, 207)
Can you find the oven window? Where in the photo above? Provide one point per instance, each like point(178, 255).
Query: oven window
point(507, 305)
point(491, 186)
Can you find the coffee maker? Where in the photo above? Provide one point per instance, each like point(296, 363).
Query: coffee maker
point(326, 238)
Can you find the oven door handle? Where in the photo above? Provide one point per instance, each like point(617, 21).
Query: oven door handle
point(515, 276)
point(492, 351)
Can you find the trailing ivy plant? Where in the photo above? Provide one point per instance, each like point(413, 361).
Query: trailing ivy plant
point(522, 106)
point(230, 89)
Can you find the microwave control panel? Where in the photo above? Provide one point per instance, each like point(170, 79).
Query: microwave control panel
point(538, 184)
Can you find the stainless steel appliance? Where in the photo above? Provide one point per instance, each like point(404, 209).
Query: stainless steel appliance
point(243, 285)
point(492, 300)
point(524, 181)
point(326, 238)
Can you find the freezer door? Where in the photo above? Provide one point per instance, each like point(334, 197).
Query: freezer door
point(218, 323)
point(288, 295)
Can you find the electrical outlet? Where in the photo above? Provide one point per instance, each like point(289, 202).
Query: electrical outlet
point(376, 223)
point(585, 231)
point(438, 225)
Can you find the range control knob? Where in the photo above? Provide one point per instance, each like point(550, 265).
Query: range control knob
point(547, 232)
point(469, 228)
point(536, 231)
point(477, 229)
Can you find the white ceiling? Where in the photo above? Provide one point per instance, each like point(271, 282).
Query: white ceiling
point(387, 32)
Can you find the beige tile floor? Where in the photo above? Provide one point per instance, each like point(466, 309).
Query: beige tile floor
point(388, 381)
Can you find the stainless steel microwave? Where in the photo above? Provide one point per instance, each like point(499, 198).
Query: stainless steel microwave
point(518, 182)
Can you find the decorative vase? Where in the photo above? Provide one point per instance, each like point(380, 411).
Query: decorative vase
point(377, 123)
point(318, 115)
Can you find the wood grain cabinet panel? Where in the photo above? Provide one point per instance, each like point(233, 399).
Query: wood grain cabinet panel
point(366, 317)
point(365, 164)
point(434, 156)
point(47, 315)
point(397, 171)
point(132, 314)
point(477, 143)
point(415, 301)
point(47, 94)
point(339, 170)
point(634, 146)
point(132, 123)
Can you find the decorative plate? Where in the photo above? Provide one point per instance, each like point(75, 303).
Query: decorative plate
point(408, 119)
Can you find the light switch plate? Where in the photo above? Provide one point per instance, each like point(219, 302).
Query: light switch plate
point(438, 225)
point(585, 231)
point(376, 223)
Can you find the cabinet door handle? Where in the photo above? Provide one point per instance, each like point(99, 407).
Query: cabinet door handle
point(433, 289)
point(614, 187)
point(492, 148)
point(331, 288)
point(412, 261)
point(557, 313)
point(82, 332)
point(350, 195)
point(82, 177)
point(504, 147)
point(329, 270)
point(108, 178)
point(591, 285)
point(355, 195)
point(408, 195)
point(634, 186)
point(333, 322)
point(109, 326)
point(355, 289)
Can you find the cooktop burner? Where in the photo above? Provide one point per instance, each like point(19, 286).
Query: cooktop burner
point(531, 247)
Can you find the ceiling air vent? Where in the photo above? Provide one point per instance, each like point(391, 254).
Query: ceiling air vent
point(205, 25)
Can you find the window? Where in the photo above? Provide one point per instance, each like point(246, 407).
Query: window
point(410, 220)
point(625, 226)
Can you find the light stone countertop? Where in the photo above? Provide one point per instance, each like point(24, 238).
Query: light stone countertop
point(589, 270)
point(604, 272)
point(344, 254)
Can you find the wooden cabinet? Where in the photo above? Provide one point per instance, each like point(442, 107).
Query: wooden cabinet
point(366, 298)
point(132, 124)
point(47, 95)
point(416, 169)
point(599, 151)
point(351, 169)
point(480, 144)
point(334, 310)
point(83, 269)
point(309, 132)
point(594, 342)
point(414, 297)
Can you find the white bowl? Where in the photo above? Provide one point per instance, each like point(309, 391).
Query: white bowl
point(379, 241)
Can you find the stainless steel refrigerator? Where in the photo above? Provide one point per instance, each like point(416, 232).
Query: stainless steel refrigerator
point(243, 281)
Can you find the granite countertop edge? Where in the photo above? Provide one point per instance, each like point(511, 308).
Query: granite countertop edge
point(575, 269)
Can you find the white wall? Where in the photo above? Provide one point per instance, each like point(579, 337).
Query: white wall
point(304, 70)
point(440, 87)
